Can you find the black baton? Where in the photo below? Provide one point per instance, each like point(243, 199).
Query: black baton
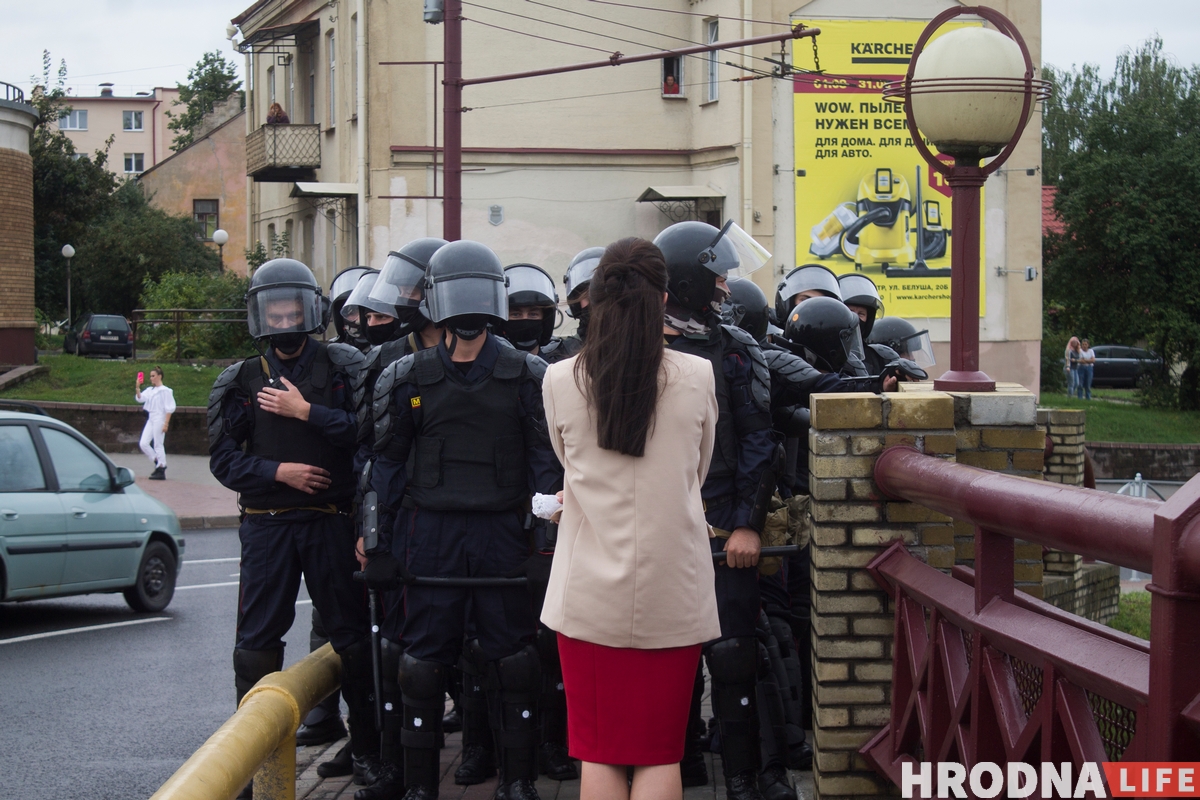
point(766, 552)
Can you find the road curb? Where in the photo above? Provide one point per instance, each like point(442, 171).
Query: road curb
point(194, 523)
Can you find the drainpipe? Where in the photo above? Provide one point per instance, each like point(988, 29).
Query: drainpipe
point(250, 118)
point(747, 90)
point(361, 112)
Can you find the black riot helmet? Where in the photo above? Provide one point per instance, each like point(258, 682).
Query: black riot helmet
point(285, 304)
point(579, 275)
point(697, 254)
point(465, 288)
point(903, 337)
point(807, 277)
point(343, 284)
point(824, 333)
point(859, 290)
point(529, 286)
point(401, 284)
point(746, 308)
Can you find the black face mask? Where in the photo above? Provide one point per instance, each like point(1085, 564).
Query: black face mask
point(468, 326)
point(378, 334)
point(288, 343)
point(584, 315)
point(524, 334)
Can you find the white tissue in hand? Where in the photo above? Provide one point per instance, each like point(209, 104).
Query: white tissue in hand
point(545, 505)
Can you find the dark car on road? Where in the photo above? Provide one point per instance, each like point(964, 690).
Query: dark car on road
point(71, 522)
point(1118, 366)
point(100, 334)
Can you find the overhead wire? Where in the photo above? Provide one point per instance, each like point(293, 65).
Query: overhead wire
point(692, 13)
point(580, 96)
point(535, 36)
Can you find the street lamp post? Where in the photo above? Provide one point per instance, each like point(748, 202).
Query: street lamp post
point(971, 93)
point(221, 237)
point(68, 252)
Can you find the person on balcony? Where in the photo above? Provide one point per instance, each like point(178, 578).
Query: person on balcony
point(277, 116)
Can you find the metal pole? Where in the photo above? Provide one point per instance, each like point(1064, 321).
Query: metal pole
point(221, 255)
point(69, 293)
point(452, 109)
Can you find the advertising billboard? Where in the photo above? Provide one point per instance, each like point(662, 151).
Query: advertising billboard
point(865, 199)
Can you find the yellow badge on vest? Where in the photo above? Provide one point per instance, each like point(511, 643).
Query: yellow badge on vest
point(416, 401)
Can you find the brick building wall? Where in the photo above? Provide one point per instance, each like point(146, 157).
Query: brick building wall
point(17, 322)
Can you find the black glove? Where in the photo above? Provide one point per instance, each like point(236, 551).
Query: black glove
point(383, 571)
point(536, 568)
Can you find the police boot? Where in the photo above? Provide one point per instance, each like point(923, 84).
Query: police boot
point(324, 723)
point(478, 746)
point(515, 683)
point(358, 682)
point(693, 769)
point(389, 782)
point(553, 759)
point(249, 667)
point(422, 692)
point(773, 783)
point(772, 780)
point(733, 664)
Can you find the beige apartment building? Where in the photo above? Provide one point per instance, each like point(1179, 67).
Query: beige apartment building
point(558, 163)
point(137, 124)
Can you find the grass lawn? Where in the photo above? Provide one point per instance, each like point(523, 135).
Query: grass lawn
point(1133, 615)
point(1114, 416)
point(97, 380)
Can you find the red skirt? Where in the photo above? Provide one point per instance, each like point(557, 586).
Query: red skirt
point(627, 706)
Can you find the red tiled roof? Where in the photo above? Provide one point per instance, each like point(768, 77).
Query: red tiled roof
point(1051, 222)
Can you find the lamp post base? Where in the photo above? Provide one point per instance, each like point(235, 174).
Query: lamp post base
point(963, 381)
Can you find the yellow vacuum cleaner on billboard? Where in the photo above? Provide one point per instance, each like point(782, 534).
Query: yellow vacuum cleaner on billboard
point(865, 198)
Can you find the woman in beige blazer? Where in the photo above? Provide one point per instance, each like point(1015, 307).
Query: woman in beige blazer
point(630, 590)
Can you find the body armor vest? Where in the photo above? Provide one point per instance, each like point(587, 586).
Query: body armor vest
point(469, 451)
point(724, 462)
point(286, 439)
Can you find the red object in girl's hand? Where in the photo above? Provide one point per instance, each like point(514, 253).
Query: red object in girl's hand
point(141, 377)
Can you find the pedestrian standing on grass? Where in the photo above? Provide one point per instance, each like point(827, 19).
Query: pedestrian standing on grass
point(1087, 364)
point(158, 401)
point(1071, 366)
point(630, 590)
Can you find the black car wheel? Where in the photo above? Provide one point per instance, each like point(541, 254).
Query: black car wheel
point(155, 580)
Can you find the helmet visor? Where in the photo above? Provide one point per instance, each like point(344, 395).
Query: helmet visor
point(344, 283)
point(917, 348)
point(809, 278)
point(529, 286)
point(401, 283)
point(751, 255)
point(359, 299)
point(852, 344)
point(859, 290)
point(283, 309)
point(578, 275)
point(466, 293)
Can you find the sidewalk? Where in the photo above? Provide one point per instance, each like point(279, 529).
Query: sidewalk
point(190, 490)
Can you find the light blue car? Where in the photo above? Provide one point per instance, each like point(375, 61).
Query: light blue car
point(71, 522)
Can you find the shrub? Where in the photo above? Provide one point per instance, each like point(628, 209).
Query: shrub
point(196, 291)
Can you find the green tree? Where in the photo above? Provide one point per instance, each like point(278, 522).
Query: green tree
point(199, 290)
point(70, 191)
point(1127, 267)
point(211, 81)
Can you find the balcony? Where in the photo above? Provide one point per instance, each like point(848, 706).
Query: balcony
point(283, 153)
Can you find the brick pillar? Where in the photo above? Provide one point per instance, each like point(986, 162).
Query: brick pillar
point(852, 617)
point(1066, 429)
point(17, 322)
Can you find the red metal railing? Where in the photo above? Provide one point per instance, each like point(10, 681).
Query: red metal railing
point(983, 673)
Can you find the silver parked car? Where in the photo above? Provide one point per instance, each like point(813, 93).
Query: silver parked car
point(71, 522)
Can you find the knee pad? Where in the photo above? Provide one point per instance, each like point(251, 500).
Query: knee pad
point(423, 691)
point(520, 673)
point(733, 661)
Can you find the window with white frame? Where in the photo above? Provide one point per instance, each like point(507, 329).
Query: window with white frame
point(270, 87)
point(713, 59)
point(131, 120)
point(289, 85)
point(73, 121)
point(331, 51)
point(672, 78)
point(206, 214)
point(135, 163)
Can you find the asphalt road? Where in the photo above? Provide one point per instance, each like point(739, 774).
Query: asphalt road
point(113, 712)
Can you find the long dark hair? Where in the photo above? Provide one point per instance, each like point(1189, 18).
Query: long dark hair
point(620, 361)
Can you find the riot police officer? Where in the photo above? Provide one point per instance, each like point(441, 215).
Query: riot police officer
point(699, 259)
point(804, 282)
point(293, 410)
point(577, 278)
point(860, 296)
point(532, 314)
point(347, 326)
point(903, 337)
point(469, 413)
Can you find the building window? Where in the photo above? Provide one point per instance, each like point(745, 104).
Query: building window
point(287, 238)
point(270, 86)
point(131, 120)
point(672, 78)
point(73, 121)
point(713, 60)
point(204, 212)
point(135, 163)
point(331, 49)
point(332, 253)
point(353, 99)
point(289, 85)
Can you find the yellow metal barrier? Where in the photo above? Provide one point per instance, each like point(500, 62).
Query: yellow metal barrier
point(260, 738)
